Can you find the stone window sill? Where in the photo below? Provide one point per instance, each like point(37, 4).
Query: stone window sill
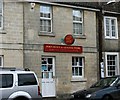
point(47, 34)
point(2, 31)
point(78, 79)
point(80, 36)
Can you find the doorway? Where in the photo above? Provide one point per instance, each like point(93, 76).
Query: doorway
point(48, 73)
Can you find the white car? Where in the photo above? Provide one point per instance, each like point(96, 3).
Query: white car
point(18, 85)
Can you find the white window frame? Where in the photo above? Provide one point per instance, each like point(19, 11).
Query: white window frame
point(45, 18)
point(117, 62)
point(78, 22)
point(1, 14)
point(82, 66)
point(1, 58)
point(110, 27)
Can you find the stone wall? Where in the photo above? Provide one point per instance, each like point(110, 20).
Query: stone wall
point(12, 34)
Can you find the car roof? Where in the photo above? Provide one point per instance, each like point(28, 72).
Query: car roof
point(14, 70)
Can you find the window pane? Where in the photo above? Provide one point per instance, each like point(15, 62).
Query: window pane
point(113, 22)
point(0, 20)
point(111, 65)
point(45, 11)
point(107, 27)
point(0, 13)
point(1, 81)
point(77, 22)
point(77, 28)
point(74, 61)
point(47, 67)
point(45, 25)
point(76, 71)
point(77, 16)
point(80, 71)
point(6, 80)
point(45, 18)
point(26, 79)
point(9, 80)
point(44, 61)
point(0, 6)
point(77, 66)
point(49, 60)
point(73, 71)
point(80, 62)
point(111, 73)
point(113, 33)
point(0, 61)
point(111, 28)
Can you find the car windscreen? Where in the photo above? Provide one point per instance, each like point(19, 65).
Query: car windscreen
point(104, 82)
point(26, 79)
point(6, 80)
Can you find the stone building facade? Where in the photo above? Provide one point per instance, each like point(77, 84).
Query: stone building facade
point(33, 36)
point(62, 24)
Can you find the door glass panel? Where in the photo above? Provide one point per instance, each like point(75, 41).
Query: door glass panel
point(47, 67)
point(50, 60)
point(111, 65)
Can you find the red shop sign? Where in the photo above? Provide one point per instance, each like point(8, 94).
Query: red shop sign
point(62, 48)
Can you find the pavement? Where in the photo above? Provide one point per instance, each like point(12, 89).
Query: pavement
point(55, 99)
point(60, 97)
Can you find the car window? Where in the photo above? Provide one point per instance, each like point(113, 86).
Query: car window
point(6, 80)
point(26, 79)
point(104, 82)
point(0, 80)
point(118, 81)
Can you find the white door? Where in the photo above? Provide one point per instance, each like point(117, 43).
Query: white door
point(48, 72)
